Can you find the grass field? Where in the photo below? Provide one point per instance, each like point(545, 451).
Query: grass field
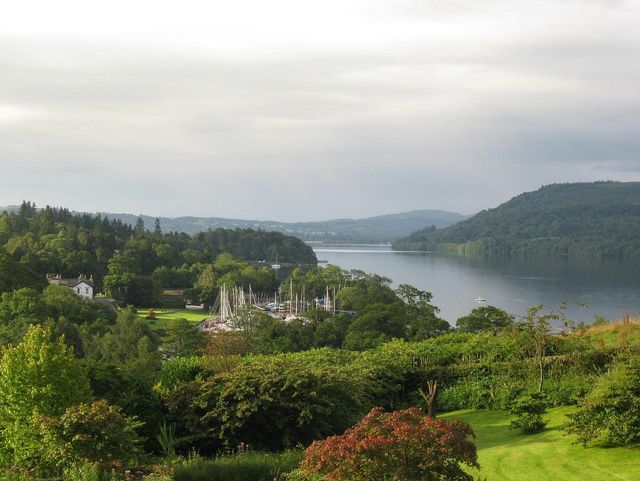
point(507, 455)
point(616, 333)
point(165, 315)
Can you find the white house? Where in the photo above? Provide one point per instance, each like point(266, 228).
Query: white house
point(81, 286)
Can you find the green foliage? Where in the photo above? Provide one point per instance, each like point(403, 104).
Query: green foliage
point(165, 276)
point(90, 433)
point(243, 466)
point(18, 310)
point(370, 312)
point(132, 344)
point(535, 335)
point(178, 370)
point(278, 402)
point(56, 306)
point(181, 339)
point(422, 319)
point(484, 318)
point(528, 410)
point(582, 220)
point(403, 446)
point(376, 324)
point(14, 275)
point(134, 394)
point(38, 378)
point(167, 439)
point(612, 409)
point(486, 392)
point(88, 472)
point(130, 263)
point(232, 272)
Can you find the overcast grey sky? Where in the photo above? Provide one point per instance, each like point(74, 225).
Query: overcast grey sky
point(296, 110)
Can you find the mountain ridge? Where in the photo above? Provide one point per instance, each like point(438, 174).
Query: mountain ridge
point(375, 229)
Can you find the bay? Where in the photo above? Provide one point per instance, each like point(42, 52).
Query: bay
point(610, 288)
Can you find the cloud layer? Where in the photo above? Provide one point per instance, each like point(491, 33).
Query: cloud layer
point(282, 110)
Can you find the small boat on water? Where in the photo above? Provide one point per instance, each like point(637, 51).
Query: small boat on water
point(480, 299)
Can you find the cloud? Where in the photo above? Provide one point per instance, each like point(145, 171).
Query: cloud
point(346, 109)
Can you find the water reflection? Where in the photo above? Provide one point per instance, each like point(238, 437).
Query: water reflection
point(516, 284)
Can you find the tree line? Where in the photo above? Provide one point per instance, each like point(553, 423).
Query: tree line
point(127, 261)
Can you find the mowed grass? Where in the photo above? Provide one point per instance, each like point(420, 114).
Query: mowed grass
point(507, 455)
point(165, 315)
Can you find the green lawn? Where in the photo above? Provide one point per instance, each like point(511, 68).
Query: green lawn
point(507, 455)
point(165, 315)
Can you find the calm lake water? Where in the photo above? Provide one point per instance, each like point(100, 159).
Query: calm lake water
point(609, 287)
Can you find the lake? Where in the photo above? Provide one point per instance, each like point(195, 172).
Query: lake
point(610, 288)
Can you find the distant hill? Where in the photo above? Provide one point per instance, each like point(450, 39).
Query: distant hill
point(382, 228)
point(10, 208)
point(599, 219)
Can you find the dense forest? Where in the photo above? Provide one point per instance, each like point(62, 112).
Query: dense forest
point(131, 262)
point(599, 219)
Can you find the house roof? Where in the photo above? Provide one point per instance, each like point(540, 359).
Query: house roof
point(69, 282)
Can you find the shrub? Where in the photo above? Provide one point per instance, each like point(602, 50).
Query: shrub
point(528, 410)
point(402, 445)
point(488, 393)
point(280, 403)
point(612, 408)
point(38, 379)
point(178, 370)
point(566, 391)
point(91, 433)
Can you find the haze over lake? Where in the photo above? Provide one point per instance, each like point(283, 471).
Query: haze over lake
point(609, 287)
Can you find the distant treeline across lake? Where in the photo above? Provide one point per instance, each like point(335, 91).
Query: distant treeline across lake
point(514, 284)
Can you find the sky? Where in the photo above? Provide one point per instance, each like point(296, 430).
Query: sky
point(296, 110)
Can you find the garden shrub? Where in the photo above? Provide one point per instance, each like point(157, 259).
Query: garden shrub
point(528, 410)
point(280, 403)
point(612, 408)
point(178, 370)
point(402, 446)
point(93, 433)
point(567, 390)
point(489, 393)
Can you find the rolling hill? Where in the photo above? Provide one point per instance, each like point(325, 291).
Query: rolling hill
point(598, 219)
point(382, 228)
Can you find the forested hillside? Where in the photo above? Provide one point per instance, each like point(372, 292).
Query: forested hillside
point(381, 228)
point(599, 219)
point(56, 241)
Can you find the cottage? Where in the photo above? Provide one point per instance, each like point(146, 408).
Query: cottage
point(81, 286)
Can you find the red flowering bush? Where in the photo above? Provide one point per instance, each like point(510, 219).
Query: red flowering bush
point(397, 446)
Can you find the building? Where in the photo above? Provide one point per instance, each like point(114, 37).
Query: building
point(81, 286)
